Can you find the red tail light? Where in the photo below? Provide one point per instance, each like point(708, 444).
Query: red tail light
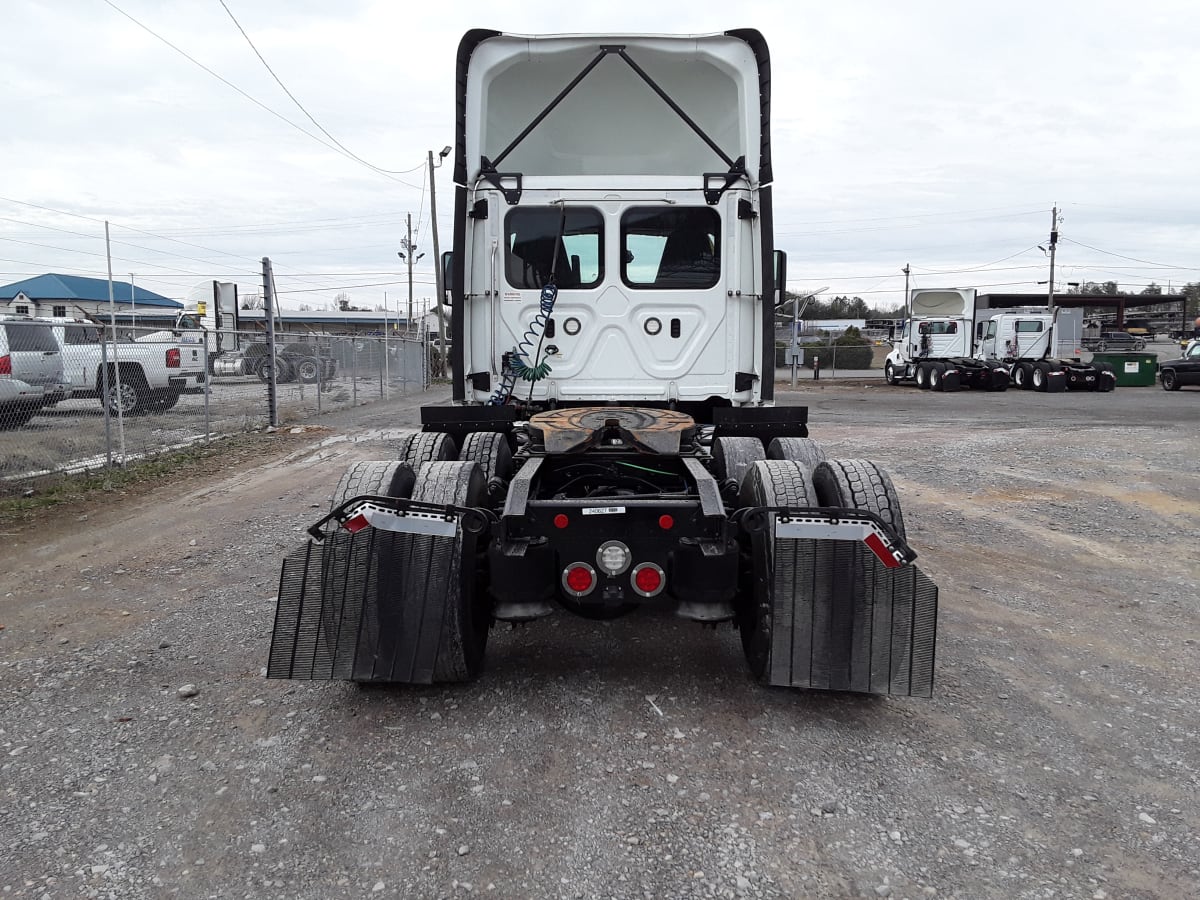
point(173, 358)
point(648, 579)
point(5, 365)
point(579, 579)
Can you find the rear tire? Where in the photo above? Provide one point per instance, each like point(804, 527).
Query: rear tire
point(466, 616)
point(283, 371)
point(1022, 376)
point(767, 483)
point(343, 556)
point(937, 375)
point(732, 456)
point(382, 479)
point(424, 447)
point(489, 450)
point(859, 484)
point(1038, 377)
point(308, 370)
point(133, 395)
point(1170, 381)
point(922, 376)
point(805, 451)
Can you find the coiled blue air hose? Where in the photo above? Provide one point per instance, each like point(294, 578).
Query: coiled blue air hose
point(523, 361)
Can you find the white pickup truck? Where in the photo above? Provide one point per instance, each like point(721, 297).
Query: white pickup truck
point(143, 376)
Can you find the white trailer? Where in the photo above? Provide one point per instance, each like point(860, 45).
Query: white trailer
point(935, 347)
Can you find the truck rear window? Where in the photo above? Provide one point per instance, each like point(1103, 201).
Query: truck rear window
point(29, 337)
point(939, 328)
point(671, 248)
point(533, 247)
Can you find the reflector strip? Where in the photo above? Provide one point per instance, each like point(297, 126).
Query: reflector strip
point(877, 546)
point(863, 530)
point(409, 522)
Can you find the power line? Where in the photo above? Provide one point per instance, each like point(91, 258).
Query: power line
point(983, 267)
point(953, 212)
point(62, 212)
point(1130, 258)
point(257, 103)
point(783, 232)
point(300, 106)
point(348, 287)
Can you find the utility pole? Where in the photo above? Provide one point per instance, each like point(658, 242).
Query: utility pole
point(410, 255)
point(408, 245)
point(1053, 247)
point(906, 270)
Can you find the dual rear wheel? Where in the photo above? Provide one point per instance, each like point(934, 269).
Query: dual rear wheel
point(842, 483)
point(424, 616)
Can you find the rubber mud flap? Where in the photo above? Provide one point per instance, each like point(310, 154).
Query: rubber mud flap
point(354, 607)
point(827, 614)
point(1056, 381)
point(851, 623)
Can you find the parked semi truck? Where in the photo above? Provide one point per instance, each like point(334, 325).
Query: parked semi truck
point(935, 346)
point(1042, 350)
point(613, 442)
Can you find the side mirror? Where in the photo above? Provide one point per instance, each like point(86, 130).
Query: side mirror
point(447, 277)
point(780, 277)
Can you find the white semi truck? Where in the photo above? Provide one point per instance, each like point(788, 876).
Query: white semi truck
point(935, 346)
point(613, 442)
point(1042, 350)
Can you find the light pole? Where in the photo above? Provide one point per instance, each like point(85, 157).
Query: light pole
point(437, 262)
point(132, 304)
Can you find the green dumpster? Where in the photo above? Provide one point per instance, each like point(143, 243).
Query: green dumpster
point(1132, 369)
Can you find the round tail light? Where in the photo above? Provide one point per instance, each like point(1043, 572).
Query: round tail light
point(579, 579)
point(648, 579)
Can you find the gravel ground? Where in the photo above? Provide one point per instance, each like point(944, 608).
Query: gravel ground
point(142, 753)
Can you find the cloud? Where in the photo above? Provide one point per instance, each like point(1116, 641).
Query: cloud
point(931, 133)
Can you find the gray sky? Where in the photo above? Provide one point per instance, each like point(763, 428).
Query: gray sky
point(932, 133)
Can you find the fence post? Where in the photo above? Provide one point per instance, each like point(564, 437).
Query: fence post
point(104, 398)
point(207, 385)
point(354, 374)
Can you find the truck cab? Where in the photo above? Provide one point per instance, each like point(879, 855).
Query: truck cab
point(647, 220)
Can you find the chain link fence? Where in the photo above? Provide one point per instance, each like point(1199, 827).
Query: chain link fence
point(74, 399)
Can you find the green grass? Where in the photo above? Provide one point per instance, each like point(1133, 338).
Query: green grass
point(51, 490)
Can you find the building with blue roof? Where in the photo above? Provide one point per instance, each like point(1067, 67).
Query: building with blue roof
point(75, 296)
